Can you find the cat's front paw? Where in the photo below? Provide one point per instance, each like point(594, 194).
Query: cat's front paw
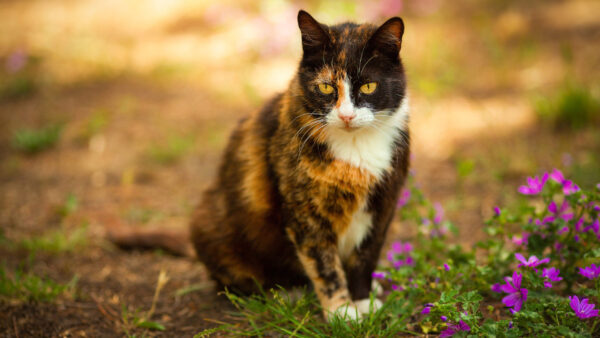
point(365, 306)
point(376, 287)
point(348, 311)
point(355, 310)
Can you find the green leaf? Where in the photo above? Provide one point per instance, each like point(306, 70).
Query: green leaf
point(151, 325)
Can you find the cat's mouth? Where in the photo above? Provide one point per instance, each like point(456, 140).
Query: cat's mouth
point(349, 127)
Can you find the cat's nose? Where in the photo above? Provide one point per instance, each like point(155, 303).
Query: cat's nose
point(346, 118)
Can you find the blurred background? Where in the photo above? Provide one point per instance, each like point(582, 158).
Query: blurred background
point(115, 114)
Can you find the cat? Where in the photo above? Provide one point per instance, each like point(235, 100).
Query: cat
point(307, 185)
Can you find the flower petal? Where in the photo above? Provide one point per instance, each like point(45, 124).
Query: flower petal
point(512, 299)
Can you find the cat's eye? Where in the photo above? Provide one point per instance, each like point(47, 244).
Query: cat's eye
point(368, 88)
point(325, 88)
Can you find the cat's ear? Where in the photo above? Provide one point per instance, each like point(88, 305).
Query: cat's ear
point(388, 38)
point(314, 36)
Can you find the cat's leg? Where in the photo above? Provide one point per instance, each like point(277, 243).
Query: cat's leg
point(226, 258)
point(363, 260)
point(318, 253)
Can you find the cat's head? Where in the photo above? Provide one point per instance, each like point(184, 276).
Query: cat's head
point(351, 75)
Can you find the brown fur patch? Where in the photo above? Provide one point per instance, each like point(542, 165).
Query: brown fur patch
point(340, 86)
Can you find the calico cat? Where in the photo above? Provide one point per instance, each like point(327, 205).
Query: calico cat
point(307, 186)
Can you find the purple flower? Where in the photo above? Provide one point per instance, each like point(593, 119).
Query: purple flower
point(401, 248)
point(426, 310)
point(583, 309)
point(16, 61)
point(452, 329)
point(534, 185)
point(397, 287)
point(560, 213)
point(444, 318)
point(516, 294)
point(378, 275)
point(497, 211)
point(510, 325)
point(579, 224)
point(446, 267)
point(568, 186)
point(497, 287)
point(532, 262)
point(552, 275)
point(547, 219)
point(522, 240)
point(409, 261)
point(404, 198)
point(590, 272)
point(595, 226)
point(439, 213)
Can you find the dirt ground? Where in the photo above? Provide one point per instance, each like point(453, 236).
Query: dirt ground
point(472, 144)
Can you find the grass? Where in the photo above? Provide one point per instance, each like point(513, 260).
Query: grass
point(69, 206)
point(94, 125)
point(138, 319)
point(29, 287)
point(142, 215)
point(31, 141)
point(19, 86)
point(171, 151)
point(57, 241)
point(279, 312)
point(572, 107)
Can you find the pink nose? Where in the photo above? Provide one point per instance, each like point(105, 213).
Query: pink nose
point(346, 118)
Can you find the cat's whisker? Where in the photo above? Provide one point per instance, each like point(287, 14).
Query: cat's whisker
point(302, 131)
point(366, 63)
point(309, 138)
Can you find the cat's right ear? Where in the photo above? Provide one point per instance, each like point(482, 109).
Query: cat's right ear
point(314, 36)
point(388, 38)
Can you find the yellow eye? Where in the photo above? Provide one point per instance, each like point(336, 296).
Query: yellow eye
point(325, 88)
point(368, 88)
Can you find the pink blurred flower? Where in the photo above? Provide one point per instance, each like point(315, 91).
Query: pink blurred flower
point(534, 185)
point(532, 262)
point(516, 294)
point(16, 61)
point(404, 198)
point(582, 308)
point(439, 213)
point(560, 213)
point(568, 186)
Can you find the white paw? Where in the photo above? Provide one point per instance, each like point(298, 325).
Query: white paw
point(348, 312)
point(365, 306)
point(376, 287)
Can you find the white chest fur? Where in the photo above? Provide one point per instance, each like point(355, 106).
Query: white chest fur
point(355, 233)
point(370, 147)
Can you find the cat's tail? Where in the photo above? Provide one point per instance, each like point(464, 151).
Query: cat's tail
point(171, 241)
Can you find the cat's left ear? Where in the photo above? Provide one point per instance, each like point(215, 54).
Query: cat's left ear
point(388, 38)
point(314, 36)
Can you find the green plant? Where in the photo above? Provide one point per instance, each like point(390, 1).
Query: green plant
point(57, 241)
point(521, 280)
point(69, 206)
point(573, 107)
point(29, 287)
point(170, 151)
point(141, 319)
point(31, 141)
